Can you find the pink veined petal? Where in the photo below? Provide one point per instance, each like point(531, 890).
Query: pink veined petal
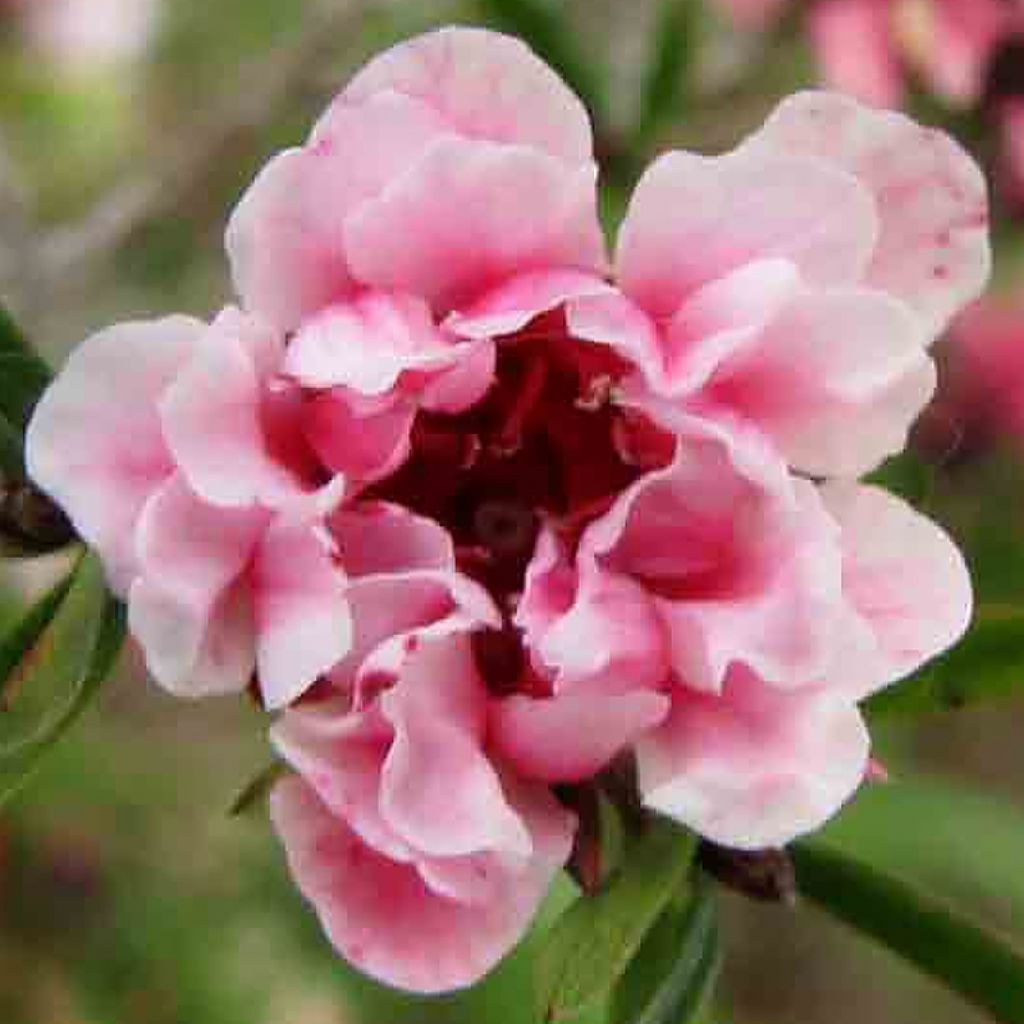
point(753, 767)
point(462, 384)
point(190, 556)
point(853, 41)
point(905, 580)
point(933, 247)
point(572, 736)
point(470, 215)
point(340, 754)
point(212, 416)
point(95, 444)
point(303, 621)
point(438, 789)
point(694, 219)
point(484, 85)
point(367, 343)
point(284, 238)
point(383, 917)
point(836, 380)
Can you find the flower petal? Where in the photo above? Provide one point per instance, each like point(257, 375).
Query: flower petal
point(933, 247)
point(469, 216)
point(753, 767)
point(695, 219)
point(484, 85)
point(95, 443)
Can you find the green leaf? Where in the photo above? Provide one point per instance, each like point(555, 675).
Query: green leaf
point(975, 845)
point(24, 634)
point(988, 663)
point(61, 674)
point(257, 789)
point(24, 375)
point(590, 947)
point(977, 964)
point(542, 24)
point(668, 82)
point(671, 977)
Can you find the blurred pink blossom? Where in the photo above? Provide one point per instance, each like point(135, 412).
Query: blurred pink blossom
point(84, 35)
point(485, 509)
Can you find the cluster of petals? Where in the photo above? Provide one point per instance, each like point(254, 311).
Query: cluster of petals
point(481, 510)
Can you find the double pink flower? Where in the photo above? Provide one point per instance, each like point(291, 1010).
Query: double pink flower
point(482, 511)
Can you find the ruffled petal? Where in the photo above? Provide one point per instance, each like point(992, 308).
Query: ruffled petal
point(484, 85)
point(907, 583)
point(95, 442)
point(753, 767)
point(470, 215)
point(386, 920)
point(933, 247)
point(695, 219)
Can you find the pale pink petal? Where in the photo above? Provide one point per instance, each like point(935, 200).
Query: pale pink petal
point(438, 789)
point(376, 538)
point(95, 444)
point(612, 319)
point(907, 583)
point(570, 737)
point(836, 380)
point(933, 247)
point(362, 438)
point(212, 417)
point(722, 318)
point(190, 555)
point(386, 920)
point(285, 237)
point(341, 754)
point(303, 621)
point(464, 383)
point(753, 767)
point(611, 636)
point(854, 44)
point(510, 307)
point(484, 85)
point(695, 219)
point(548, 589)
point(738, 572)
point(469, 216)
point(367, 343)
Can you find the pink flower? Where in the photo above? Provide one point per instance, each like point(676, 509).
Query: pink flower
point(868, 48)
point(986, 382)
point(486, 517)
point(176, 451)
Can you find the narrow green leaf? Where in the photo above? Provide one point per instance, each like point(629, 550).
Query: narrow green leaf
point(988, 663)
point(668, 80)
point(542, 24)
point(590, 947)
point(24, 634)
point(257, 789)
point(671, 977)
point(977, 964)
point(58, 678)
point(23, 372)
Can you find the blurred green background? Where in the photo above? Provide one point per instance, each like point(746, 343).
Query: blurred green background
point(127, 893)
